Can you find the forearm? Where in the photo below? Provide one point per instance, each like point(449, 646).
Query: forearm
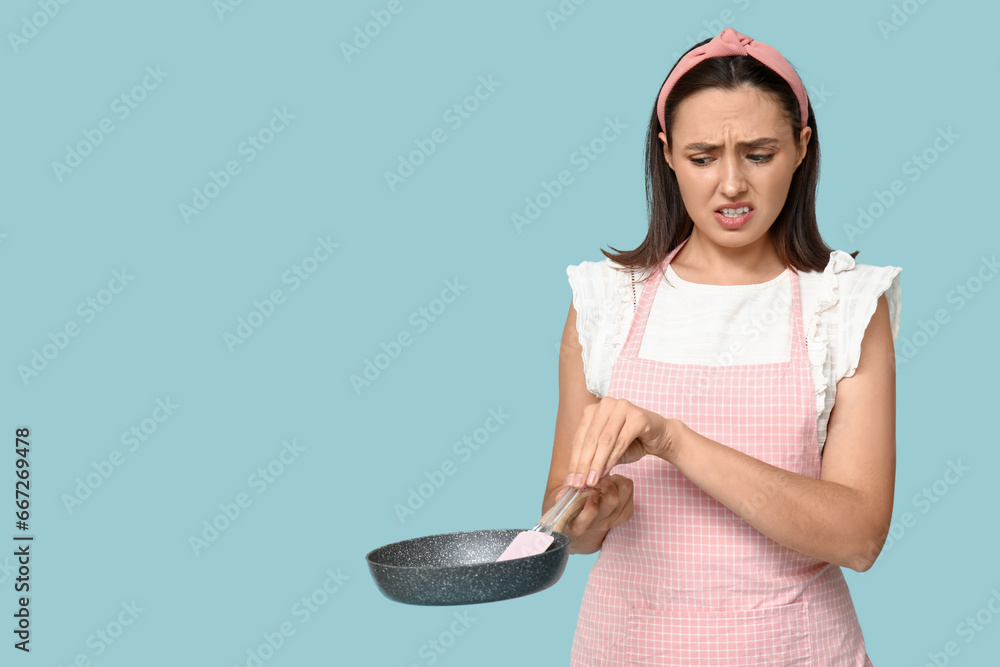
point(823, 519)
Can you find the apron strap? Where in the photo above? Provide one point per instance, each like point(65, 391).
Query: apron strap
point(798, 337)
point(638, 327)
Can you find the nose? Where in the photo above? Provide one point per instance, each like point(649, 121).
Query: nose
point(733, 176)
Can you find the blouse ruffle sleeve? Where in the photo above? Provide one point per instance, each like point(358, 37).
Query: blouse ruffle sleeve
point(878, 280)
point(602, 298)
point(847, 300)
point(818, 329)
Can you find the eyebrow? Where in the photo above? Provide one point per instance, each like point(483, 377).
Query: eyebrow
point(704, 147)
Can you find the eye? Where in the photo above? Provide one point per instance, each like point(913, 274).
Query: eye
point(759, 158)
point(700, 161)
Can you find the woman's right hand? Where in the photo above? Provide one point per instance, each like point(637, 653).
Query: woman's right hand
point(608, 505)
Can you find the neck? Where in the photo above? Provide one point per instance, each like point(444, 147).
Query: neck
point(702, 260)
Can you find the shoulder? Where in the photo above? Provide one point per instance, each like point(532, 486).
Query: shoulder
point(860, 286)
point(844, 297)
point(848, 291)
point(604, 271)
point(837, 305)
point(599, 286)
point(603, 298)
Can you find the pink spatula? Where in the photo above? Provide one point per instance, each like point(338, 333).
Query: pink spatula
point(537, 540)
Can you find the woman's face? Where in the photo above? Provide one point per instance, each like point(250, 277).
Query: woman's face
point(734, 155)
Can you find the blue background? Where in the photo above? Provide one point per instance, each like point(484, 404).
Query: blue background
point(881, 96)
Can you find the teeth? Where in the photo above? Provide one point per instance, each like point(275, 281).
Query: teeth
point(735, 212)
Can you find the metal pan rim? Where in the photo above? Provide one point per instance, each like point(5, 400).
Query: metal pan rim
point(556, 547)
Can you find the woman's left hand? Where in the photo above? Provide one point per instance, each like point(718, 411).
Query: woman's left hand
point(615, 431)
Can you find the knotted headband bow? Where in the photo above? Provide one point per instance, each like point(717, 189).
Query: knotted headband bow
point(732, 43)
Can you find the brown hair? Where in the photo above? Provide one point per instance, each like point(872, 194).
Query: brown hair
point(795, 233)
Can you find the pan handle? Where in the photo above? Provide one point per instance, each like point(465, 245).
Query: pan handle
point(551, 519)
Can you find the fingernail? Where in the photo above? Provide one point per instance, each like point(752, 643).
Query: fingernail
point(592, 478)
point(578, 479)
point(569, 479)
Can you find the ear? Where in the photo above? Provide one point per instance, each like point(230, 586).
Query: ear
point(803, 147)
point(666, 149)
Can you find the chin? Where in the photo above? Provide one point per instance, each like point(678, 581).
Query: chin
point(735, 238)
point(732, 238)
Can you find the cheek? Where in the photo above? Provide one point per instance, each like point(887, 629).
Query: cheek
point(784, 186)
point(693, 185)
point(776, 185)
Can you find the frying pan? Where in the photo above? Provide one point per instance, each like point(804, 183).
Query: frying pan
point(461, 568)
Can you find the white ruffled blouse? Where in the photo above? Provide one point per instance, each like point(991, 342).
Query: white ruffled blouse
point(742, 324)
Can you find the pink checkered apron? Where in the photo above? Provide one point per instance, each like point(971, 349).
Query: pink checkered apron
point(688, 582)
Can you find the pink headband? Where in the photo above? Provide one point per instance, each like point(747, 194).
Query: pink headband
point(732, 43)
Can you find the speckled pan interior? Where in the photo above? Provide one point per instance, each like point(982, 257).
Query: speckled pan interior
point(461, 568)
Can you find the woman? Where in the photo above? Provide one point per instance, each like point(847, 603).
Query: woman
point(729, 389)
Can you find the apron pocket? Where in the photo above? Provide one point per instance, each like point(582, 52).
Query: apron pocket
point(766, 637)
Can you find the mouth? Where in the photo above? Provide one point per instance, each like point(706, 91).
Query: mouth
point(734, 216)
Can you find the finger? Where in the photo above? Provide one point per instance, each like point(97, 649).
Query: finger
point(616, 507)
point(609, 500)
point(582, 522)
point(601, 502)
point(589, 443)
point(581, 432)
point(603, 437)
point(630, 429)
point(577, 504)
point(624, 513)
point(606, 484)
point(623, 485)
point(617, 492)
